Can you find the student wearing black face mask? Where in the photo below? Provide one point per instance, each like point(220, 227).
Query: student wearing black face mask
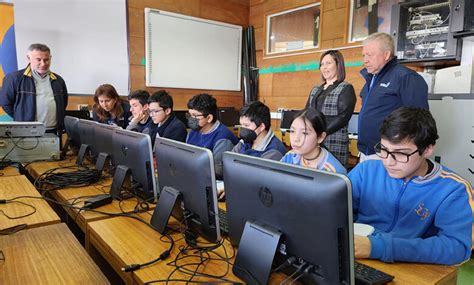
point(256, 136)
point(207, 131)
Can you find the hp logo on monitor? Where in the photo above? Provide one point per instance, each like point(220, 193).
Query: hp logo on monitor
point(265, 196)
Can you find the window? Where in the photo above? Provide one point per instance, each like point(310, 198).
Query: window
point(293, 30)
point(368, 17)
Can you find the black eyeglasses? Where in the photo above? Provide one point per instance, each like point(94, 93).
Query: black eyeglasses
point(402, 157)
point(199, 117)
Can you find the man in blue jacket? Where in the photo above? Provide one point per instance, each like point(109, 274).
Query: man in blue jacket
point(35, 93)
point(420, 209)
point(388, 87)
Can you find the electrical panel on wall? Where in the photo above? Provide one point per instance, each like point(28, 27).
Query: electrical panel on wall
point(463, 17)
point(422, 31)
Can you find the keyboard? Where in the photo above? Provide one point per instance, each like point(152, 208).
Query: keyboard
point(223, 221)
point(366, 275)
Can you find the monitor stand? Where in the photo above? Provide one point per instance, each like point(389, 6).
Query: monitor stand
point(161, 215)
point(121, 178)
point(103, 162)
point(261, 238)
point(82, 154)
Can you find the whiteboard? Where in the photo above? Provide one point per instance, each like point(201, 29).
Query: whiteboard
point(188, 52)
point(88, 40)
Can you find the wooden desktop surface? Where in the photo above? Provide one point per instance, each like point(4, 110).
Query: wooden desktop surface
point(78, 195)
point(46, 255)
point(19, 185)
point(123, 241)
point(9, 171)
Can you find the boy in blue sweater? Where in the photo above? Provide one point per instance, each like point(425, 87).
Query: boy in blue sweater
point(419, 209)
point(165, 124)
point(207, 131)
point(256, 136)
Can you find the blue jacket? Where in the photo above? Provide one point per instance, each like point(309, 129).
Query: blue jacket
point(173, 129)
point(328, 162)
point(427, 219)
point(395, 86)
point(219, 139)
point(18, 96)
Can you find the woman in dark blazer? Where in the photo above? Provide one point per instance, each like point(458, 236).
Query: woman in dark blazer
point(336, 99)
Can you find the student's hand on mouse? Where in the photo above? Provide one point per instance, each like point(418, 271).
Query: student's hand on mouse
point(362, 246)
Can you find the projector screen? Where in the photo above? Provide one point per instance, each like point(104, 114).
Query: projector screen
point(188, 52)
point(88, 40)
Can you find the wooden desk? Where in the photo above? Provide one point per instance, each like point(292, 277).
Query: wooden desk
point(9, 171)
point(123, 241)
point(67, 195)
point(416, 273)
point(46, 255)
point(19, 185)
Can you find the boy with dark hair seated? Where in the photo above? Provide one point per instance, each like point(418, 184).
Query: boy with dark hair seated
point(256, 136)
point(419, 208)
point(140, 118)
point(166, 125)
point(207, 131)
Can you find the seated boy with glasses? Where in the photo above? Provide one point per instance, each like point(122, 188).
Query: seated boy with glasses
point(207, 131)
point(420, 209)
point(166, 125)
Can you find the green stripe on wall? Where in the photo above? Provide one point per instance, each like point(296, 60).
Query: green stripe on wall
point(292, 67)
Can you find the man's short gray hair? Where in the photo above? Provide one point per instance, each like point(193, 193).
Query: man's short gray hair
point(385, 40)
point(39, 47)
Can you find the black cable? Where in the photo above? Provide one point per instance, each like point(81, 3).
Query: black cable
point(127, 268)
point(6, 201)
point(52, 180)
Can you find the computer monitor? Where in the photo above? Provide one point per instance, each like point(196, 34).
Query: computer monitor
point(86, 132)
point(80, 114)
point(353, 126)
point(181, 115)
point(287, 117)
point(229, 117)
point(309, 208)
point(133, 158)
point(72, 131)
point(187, 188)
point(103, 141)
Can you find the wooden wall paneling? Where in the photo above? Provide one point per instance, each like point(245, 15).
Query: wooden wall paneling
point(333, 24)
point(256, 17)
point(265, 86)
point(186, 7)
point(255, 2)
point(74, 101)
point(287, 102)
point(137, 50)
point(225, 11)
point(259, 38)
point(290, 4)
point(136, 22)
point(341, 4)
point(290, 84)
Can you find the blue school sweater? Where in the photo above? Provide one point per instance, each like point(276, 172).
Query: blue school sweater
point(426, 219)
